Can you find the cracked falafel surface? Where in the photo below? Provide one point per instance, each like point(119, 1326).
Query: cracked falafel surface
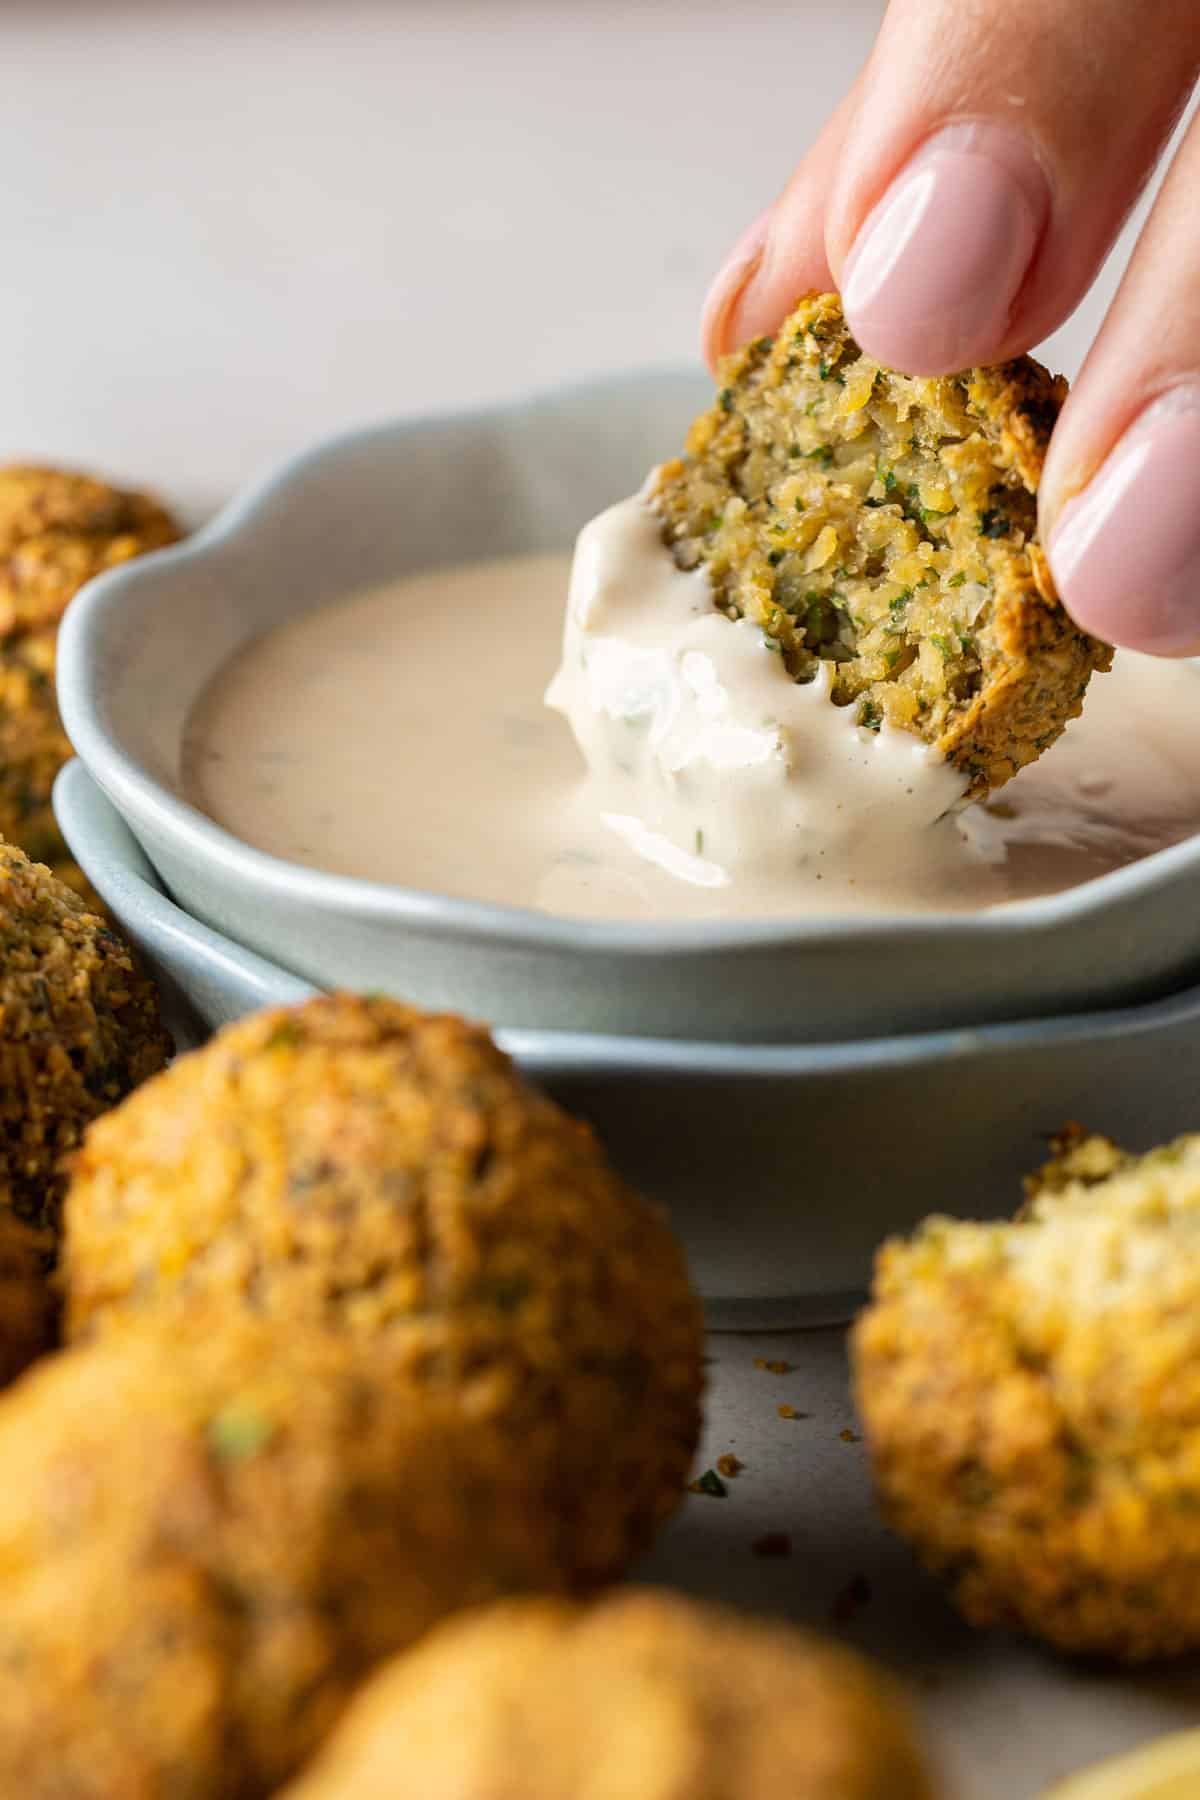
point(885, 526)
point(1031, 1397)
point(79, 1027)
point(217, 1530)
point(356, 1165)
point(643, 1696)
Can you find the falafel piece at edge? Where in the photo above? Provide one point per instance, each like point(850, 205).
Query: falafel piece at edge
point(79, 1028)
point(1030, 1393)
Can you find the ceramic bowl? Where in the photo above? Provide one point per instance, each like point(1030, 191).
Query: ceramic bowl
point(782, 1167)
point(139, 645)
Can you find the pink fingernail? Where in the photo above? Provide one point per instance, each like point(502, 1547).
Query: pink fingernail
point(1126, 552)
point(730, 284)
point(931, 281)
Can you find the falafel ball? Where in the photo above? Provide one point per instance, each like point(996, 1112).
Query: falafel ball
point(79, 1027)
point(57, 530)
point(644, 1696)
point(27, 1306)
point(358, 1165)
point(1031, 1395)
point(882, 530)
point(215, 1533)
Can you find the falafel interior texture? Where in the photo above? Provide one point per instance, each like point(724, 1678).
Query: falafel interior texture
point(354, 1165)
point(58, 529)
point(1031, 1397)
point(882, 530)
point(79, 1027)
point(214, 1534)
point(644, 1696)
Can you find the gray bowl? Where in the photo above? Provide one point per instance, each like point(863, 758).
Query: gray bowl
point(782, 1167)
point(139, 644)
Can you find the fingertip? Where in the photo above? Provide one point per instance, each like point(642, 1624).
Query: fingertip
point(932, 279)
point(1125, 552)
point(717, 318)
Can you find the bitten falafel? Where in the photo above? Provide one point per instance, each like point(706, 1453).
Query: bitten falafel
point(358, 1165)
point(215, 1532)
point(79, 1027)
point(644, 1696)
point(884, 527)
point(57, 530)
point(1031, 1396)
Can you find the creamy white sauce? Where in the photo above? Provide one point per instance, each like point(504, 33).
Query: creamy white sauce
point(696, 738)
point(400, 735)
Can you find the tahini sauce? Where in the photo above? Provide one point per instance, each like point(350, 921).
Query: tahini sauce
point(402, 735)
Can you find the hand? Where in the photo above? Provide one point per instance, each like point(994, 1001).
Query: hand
point(962, 198)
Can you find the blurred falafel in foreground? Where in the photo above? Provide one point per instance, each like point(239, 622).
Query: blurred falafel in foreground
point(58, 529)
point(215, 1533)
point(1031, 1396)
point(643, 1696)
point(79, 1028)
point(356, 1166)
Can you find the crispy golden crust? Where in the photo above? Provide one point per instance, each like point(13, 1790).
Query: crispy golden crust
point(1076, 1156)
point(884, 528)
point(214, 1533)
point(33, 748)
point(79, 1027)
point(27, 1309)
point(645, 1696)
point(356, 1164)
point(57, 530)
point(1031, 1393)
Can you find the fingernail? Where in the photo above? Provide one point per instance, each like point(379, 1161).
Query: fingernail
point(933, 274)
point(732, 279)
point(1126, 552)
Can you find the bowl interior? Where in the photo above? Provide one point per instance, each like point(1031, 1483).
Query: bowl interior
point(374, 506)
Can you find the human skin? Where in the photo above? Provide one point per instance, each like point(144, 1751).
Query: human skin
point(962, 198)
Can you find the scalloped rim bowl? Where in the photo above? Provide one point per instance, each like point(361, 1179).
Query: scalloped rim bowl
point(139, 644)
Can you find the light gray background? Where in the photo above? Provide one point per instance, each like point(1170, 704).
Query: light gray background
point(228, 228)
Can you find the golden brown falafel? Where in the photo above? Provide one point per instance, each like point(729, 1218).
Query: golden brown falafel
point(644, 1696)
point(79, 1027)
point(216, 1531)
point(1031, 1394)
point(33, 748)
point(356, 1164)
point(28, 1314)
point(57, 530)
point(882, 528)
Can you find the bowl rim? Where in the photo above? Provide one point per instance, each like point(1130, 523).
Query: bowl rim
point(142, 798)
point(125, 877)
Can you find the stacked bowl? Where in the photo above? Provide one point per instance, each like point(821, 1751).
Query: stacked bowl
point(791, 1090)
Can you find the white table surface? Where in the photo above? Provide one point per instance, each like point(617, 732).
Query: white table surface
point(228, 228)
